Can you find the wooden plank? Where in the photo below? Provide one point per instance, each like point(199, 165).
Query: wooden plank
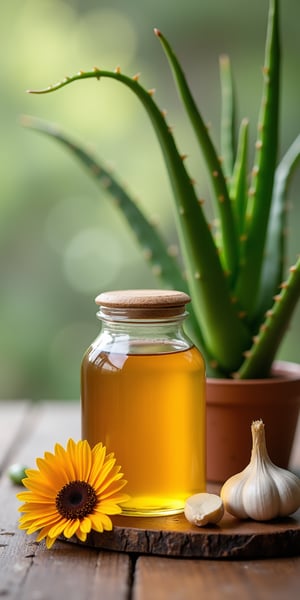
point(245, 580)
point(31, 572)
point(27, 569)
point(12, 419)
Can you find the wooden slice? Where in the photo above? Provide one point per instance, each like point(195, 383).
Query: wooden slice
point(174, 536)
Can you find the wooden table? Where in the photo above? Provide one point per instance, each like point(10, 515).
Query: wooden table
point(29, 571)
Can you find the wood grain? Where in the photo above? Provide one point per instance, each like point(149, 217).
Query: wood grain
point(28, 571)
point(216, 580)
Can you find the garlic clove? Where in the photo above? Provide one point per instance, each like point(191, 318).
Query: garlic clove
point(262, 491)
point(232, 495)
point(260, 497)
point(202, 509)
point(289, 485)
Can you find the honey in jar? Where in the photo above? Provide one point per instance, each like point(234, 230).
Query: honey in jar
point(143, 397)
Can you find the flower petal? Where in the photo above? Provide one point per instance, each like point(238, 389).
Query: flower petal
point(112, 489)
point(108, 508)
point(86, 525)
point(58, 528)
point(71, 528)
point(81, 535)
point(98, 456)
point(101, 522)
point(71, 492)
point(67, 462)
point(107, 467)
point(50, 542)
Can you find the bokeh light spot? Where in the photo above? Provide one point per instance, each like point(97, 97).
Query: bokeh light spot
point(92, 260)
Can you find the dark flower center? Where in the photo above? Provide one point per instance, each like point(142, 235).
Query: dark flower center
point(76, 500)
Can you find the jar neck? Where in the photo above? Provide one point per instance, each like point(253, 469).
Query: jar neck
point(144, 336)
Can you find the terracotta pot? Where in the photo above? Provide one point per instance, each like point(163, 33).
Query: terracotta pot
point(232, 406)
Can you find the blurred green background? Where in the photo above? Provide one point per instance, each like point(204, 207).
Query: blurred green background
point(61, 241)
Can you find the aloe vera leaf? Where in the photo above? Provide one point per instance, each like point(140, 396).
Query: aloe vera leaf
point(228, 233)
point(227, 116)
point(164, 265)
point(260, 192)
point(207, 283)
point(273, 266)
point(238, 185)
point(259, 358)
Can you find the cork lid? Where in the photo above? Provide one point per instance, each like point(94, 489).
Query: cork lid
point(143, 303)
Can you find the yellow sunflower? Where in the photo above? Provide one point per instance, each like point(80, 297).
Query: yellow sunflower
point(72, 491)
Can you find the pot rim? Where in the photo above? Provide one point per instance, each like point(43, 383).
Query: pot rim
point(282, 371)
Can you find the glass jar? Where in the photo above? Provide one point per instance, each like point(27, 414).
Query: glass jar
point(143, 397)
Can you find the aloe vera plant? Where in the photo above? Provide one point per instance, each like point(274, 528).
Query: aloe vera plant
point(242, 301)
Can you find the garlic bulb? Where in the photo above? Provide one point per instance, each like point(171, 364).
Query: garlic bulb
point(262, 491)
point(202, 509)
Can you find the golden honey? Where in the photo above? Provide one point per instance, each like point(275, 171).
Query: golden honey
point(146, 403)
